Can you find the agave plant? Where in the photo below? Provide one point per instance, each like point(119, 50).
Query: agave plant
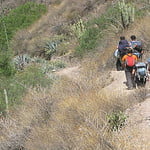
point(51, 48)
point(21, 61)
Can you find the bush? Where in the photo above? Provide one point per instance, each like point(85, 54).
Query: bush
point(14, 92)
point(116, 120)
point(6, 67)
point(87, 42)
point(115, 16)
point(16, 86)
point(19, 18)
point(33, 76)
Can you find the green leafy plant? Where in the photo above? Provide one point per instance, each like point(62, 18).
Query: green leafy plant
point(88, 41)
point(50, 48)
point(116, 120)
point(53, 45)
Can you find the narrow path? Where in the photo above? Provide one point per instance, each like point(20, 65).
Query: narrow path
point(136, 133)
point(70, 72)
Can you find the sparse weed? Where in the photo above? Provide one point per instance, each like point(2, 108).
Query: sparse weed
point(116, 120)
point(78, 29)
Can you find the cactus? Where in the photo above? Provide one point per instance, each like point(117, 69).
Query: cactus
point(21, 61)
point(78, 28)
point(47, 67)
point(51, 48)
point(127, 13)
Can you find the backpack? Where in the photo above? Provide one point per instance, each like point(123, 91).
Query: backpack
point(130, 61)
point(141, 72)
point(141, 68)
point(137, 45)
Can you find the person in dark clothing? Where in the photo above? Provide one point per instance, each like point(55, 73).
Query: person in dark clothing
point(123, 46)
point(136, 45)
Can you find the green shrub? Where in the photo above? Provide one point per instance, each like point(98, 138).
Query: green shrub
point(78, 28)
point(87, 42)
point(17, 85)
point(95, 29)
point(47, 68)
point(19, 18)
point(116, 120)
point(33, 76)
point(6, 67)
point(14, 92)
point(50, 49)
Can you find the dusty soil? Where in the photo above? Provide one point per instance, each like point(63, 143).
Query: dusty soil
point(71, 72)
point(136, 133)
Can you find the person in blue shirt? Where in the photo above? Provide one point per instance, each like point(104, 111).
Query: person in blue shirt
point(136, 45)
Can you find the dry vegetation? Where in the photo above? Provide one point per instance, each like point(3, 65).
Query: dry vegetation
point(59, 16)
point(72, 115)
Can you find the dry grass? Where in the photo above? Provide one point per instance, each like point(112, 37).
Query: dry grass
point(78, 118)
point(129, 139)
point(72, 114)
point(56, 21)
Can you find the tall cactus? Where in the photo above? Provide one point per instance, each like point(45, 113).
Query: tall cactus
point(127, 13)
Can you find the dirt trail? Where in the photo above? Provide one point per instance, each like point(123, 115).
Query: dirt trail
point(136, 134)
point(70, 72)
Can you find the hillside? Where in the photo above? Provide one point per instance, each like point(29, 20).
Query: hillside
point(67, 100)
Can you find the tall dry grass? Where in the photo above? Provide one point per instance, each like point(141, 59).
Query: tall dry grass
point(72, 114)
point(79, 120)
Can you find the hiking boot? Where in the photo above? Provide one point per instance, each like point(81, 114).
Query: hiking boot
point(130, 88)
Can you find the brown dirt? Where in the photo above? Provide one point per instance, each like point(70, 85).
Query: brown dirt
point(70, 72)
point(136, 133)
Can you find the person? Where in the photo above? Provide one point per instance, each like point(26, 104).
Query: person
point(136, 46)
point(123, 45)
point(128, 61)
point(120, 52)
